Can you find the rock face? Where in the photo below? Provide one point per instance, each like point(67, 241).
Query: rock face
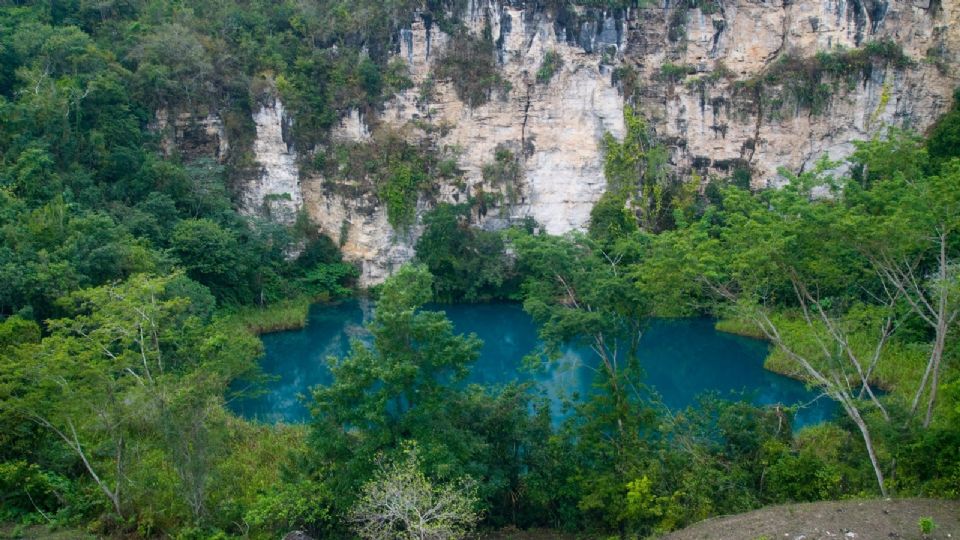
point(691, 70)
point(710, 125)
point(275, 190)
point(192, 136)
point(555, 129)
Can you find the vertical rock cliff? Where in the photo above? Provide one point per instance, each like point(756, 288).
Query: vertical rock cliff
point(275, 188)
point(726, 85)
point(714, 115)
point(552, 128)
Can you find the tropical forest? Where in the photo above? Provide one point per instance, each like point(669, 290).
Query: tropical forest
point(462, 269)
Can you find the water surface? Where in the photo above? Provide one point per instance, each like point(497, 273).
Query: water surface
point(682, 358)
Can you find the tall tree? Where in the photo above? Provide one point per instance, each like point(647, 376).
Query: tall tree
point(395, 388)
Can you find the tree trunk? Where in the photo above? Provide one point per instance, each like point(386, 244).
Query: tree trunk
point(868, 441)
point(935, 380)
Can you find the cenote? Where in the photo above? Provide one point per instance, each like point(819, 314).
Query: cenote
point(682, 358)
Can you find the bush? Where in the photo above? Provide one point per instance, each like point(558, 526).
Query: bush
point(469, 64)
point(944, 142)
point(467, 264)
point(810, 82)
point(551, 64)
point(504, 173)
point(675, 72)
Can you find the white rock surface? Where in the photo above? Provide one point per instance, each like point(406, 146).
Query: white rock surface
point(560, 123)
point(275, 190)
point(556, 128)
point(745, 37)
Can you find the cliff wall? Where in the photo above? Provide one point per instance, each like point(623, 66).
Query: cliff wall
point(728, 85)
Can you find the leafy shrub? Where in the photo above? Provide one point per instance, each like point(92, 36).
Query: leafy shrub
point(504, 173)
point(304, 505)
point(944, 141)
point(467, 264)
point(398, 171)
point(810, 82)
point(675, 72)
point(469, 64)
point(27, 489)
point(401, 499)
point(551, 64)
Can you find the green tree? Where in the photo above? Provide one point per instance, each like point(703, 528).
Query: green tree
point(130, 360)
point(467, 264)
point(580, 295)
point(394, 389)
point(209, 253)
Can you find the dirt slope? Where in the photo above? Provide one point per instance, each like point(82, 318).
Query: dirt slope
point(839, 520)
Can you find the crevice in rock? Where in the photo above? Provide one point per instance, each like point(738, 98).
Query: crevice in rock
point(784, 30)
point(526, 115)
point(756, 128)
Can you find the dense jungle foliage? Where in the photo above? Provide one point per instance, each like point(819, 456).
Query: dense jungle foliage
point(131, 286)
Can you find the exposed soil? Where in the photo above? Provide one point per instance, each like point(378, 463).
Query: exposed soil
point(38, 532)
point(835, 520)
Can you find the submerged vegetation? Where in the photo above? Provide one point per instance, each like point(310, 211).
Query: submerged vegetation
point(133, 287)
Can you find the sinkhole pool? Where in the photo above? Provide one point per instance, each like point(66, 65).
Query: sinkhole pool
point(681, 358)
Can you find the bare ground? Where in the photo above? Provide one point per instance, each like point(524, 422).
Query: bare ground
point(835, 520)
point(38, 532)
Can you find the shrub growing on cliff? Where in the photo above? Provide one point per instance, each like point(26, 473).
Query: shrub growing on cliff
point(636, 168)
point(675, 72)
point(504, 173)
point(398, 170)
point(549, 66)
point(810, 82)
point(470, 65)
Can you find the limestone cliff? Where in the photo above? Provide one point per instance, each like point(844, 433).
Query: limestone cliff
point(554, 128)
point(708, 76)
point(274, 190)
point(713, 125)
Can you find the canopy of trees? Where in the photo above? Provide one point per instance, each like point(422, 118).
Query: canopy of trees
point(123, 266)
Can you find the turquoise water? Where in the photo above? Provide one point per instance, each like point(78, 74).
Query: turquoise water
point(682, 358)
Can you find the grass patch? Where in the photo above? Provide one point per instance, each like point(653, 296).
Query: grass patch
point(45, 532)
point(898, 372)
point(284, 315)
point(739, 327)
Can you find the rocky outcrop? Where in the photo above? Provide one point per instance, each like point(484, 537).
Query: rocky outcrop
point(357, 221)
point(553, 128)
point(191, 136)
point(275, 190)
point(691, 71)
point(713, 125)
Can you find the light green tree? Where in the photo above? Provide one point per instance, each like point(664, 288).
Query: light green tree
point(400, 502)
